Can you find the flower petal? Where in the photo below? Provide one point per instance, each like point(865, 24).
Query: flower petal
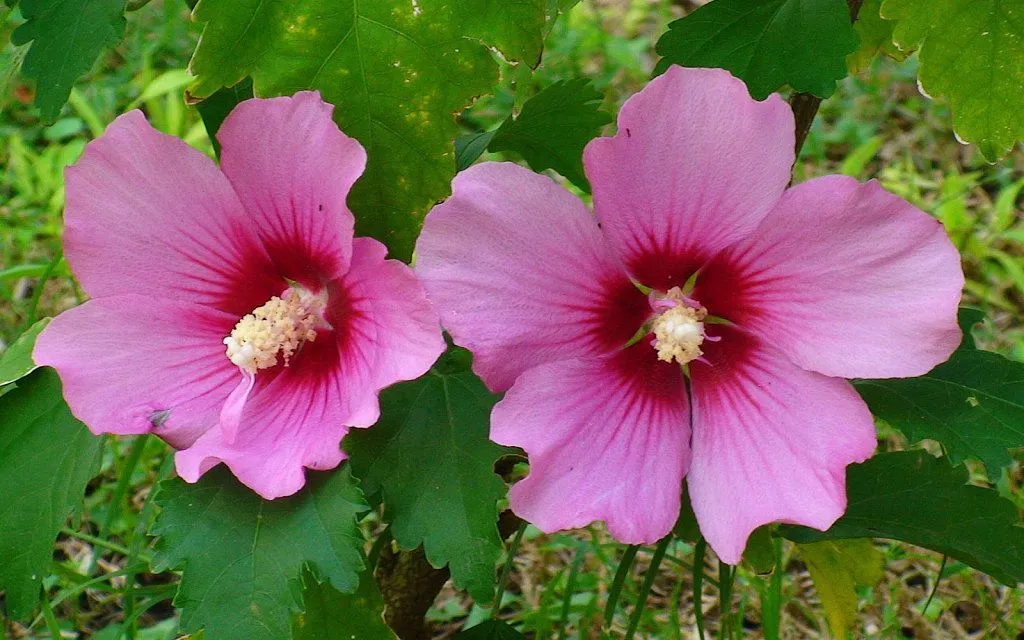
point(292, 168)
point(608, 439)
point(131, 364)
point(518, 270)
point(695, 165)
point(384, 331)
point(771, 442)
point(147, 214)
point(846, 279)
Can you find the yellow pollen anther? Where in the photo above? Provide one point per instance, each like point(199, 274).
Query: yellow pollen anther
point(279, 326)
point(679, 330)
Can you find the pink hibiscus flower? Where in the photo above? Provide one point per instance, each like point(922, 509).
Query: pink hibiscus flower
point(232, 312)
point(621, 379)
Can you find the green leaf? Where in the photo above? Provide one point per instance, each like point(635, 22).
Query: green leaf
point(243, 556)
point(46, 459)
point(431, 459)
point(215, 109)
point(491, 630)
point(331, 614)
point(553, 128)
point(875, 35)
point(469, 148)
point(766, 43)
point(759, 556)
point(397, 72)
point(973, 405)
point(838, 567)
point(16, 360)
point(914, 497)
point(67, 36)
point(686, 527)
point(972, 55)
point(968, 319)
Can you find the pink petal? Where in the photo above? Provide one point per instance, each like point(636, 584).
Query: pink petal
point(844, 278)
point(129, 363)
point(295, 417)
point(520, 274)
point(148, 214)
point(695, 165)
point(771, 442)
point(293, 168)
point(608, 439)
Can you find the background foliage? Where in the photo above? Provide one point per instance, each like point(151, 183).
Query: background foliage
point(113, 575)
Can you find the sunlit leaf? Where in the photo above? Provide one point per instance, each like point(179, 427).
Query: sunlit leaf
point(242, 556)
point(16, 360)
point(46, 459)
point(972, 55)
point(397, 71)
point(766, 43)
point(838, 567)
point(914, 497)
point(67, 36)
point(430, 458)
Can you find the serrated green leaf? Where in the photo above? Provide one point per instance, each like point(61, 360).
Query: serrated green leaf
point(67, 36)
point(972, 55)
point(766, 43)
point(46, 459)
point(973, 405)
point(332, 615)
point(837, 568)
point(397, 72)
point(491, 630)
point(430, 457)
point(16, 360)
point(553, 128)
point(914, 497)
point(242, 555)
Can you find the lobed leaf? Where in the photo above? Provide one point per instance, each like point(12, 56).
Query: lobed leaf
point(972, 55)
point(67, 36)
point(46, 459)
point(766, 43)
point(242, 556)
point(330, 613)
point(553, 128)
point(973, 404)
point(916, 498)
point(430, 458)
point(396, 71)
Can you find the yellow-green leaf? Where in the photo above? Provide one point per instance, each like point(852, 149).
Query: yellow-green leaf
point(838, 567)
point(972, 55)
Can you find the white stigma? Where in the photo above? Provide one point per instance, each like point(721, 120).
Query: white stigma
point(278, 327)
point(679, 330)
